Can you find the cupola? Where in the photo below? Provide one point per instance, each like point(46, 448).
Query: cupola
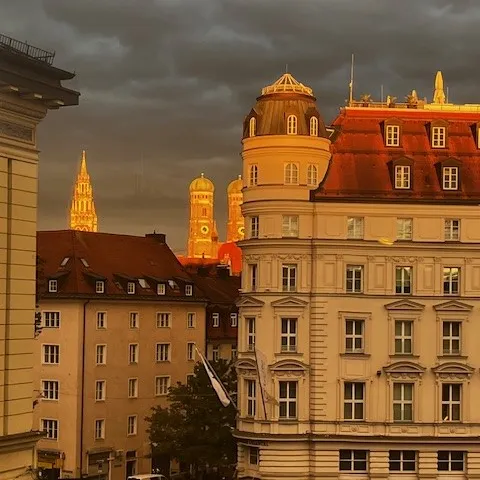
point(202, 184)
point(235, 186)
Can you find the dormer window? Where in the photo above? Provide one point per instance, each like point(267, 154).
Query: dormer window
point(99, 286)
point(439, 137)
point(314, 127)
point(52, 286)
point(188, 290)
point(402, 176)
point(312, 175)
point(291, 125)
point(291, 174)
point(160, 289)
point(131, 288)
point(450, 178)
point(392, 135)
point(252, 127)
point(252, 175)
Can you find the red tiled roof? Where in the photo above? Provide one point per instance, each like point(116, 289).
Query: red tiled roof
point(220, 289)
point(114, 258)
point(360, 168)
point(231, 254)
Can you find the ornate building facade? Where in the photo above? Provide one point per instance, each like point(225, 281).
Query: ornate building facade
point(82, 209)
point(358, 353)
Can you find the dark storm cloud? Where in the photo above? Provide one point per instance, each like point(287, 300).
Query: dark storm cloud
point(166, 83)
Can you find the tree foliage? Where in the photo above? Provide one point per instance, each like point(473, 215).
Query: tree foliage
point(195, 427)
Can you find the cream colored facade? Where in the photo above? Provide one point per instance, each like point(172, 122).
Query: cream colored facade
point(89, 353)
point(314, 367)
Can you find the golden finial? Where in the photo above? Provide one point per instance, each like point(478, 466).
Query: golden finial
point(439, 94)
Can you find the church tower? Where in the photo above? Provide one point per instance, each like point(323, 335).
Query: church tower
point(82, 211)
point(235, 224)
point(202, 236)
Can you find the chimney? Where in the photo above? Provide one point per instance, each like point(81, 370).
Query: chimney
point(159, 237)
point(223, 271)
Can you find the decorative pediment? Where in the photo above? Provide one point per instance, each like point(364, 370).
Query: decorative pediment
point(453, 306)
point(289, 368)
point(405, 305)
point(249, 302)
point(289, 302)
point(246, 367)
point(453, 370)
point(404, 369)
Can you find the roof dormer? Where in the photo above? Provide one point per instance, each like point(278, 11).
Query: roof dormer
point(476, 134)
point(250, 125)
point(392, 132)
point(401, 173)
point(449, 174)
point(438, 133)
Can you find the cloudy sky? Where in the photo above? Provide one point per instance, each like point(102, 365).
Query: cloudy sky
point(165, 85)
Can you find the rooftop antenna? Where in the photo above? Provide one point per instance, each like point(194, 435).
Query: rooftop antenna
point(350, 85)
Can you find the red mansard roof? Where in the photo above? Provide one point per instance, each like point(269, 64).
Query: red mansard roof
point(360, 168)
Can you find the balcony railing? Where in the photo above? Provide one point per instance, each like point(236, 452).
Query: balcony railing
point(26, 49)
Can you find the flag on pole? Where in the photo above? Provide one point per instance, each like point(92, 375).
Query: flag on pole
point(262, 371)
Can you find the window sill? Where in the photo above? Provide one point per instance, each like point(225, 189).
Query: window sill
point(404, 355)
point(453, 356)
point(355, 355)
point(288, 420)
point(285, 354)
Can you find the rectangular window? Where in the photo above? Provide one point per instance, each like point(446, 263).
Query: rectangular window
point(51, 354)
point(215, 319)
point(451, 280)
point(438, 137)
point(289, 335)
point(133, 353)
point(289, 278)
point(403, 280)
point(451, 338)
point(451, 402)
point(253, 455)
point(392, 136)
point(254, 227)
point(101, 320)
point(163, 352)
point(402, 176)
point(354, 279)
point(251, 387)
point(355, 228)
point(290, 226)
point(163, 320)
point(132, 387)
point(403, 337)
point(450, 461)
point(252, 269)
point(100, 390)
point(133, 320)
point(450, 178)
point(288, 400)
point(160, 289)
point(353, 460)
point(50, 428)
point(101, 355)
point(190, 351)
point(99, 429)
point(233, 352)
point(404, 228)
point(403, 402)
point(215, 353)
point(452, 230)
point(51, 319)
point(250, 333)
point(191, 317)
point(50, 389)
point(253, 175)
point(354, 401)
point(52, 286)
point(188, 290)
point(99, 286)
point(402, 461)
point(132, 425)
point(130, 288)
point(354, 336)
point(233, 319)
point(162, 384)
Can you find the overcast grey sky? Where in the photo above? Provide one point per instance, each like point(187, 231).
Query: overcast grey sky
point(169, 82)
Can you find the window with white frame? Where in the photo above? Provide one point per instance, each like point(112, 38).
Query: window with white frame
point(233, 319)
point(354, 279)
point(354, 401)
point(52, 286)
point(451, 402)
point(100, 429)
point(252, 268)
point(253, 175)
point(403, 280)
point(291, 174)
point(132, 387)
point(291, 125)
point(288, 335)
point(130, 288)
point(254, 227)
point(190, 351)
point(353, 460)
point(99, 286)
point(252, 127)
point(354, 336)
point(191, 319)
point(163, 319)
point(289, 277)
point(451, 461)
point(188, 290)
point(438, 137)
point(215, 320)
point(51, 354)
point(451, 340)
point(312, 175)
point(251, 388)
point(403, 402)
point(50, 389)
point(392, 136)
point(101, 320)
point(163, 352)
point(290, 226)
point(404, 228)
point(162, 385)
point(100, 390)
point(51, 319)
point(355, 228)
point(452, 230)
point(233, 352)
point(313, 126)
point(450, 178)
point(133, 353)
point(402, 461)
point(403, 337)
point(451, 280)
point(250, 321)
point(253, 455)
point(132, 425)
point(133, 320)
point(160, 289)
point(101, 354)
point(215, 353)
point(288, 392)
point(402, 176)
point(50, 428)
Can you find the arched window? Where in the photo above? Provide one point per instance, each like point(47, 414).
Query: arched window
point(314, 126)
point(291, 174)
point(291, 125)
point(312, 175)
point(253, 175)
point(252, 127)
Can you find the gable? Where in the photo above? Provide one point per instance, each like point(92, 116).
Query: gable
point(289, 302)
point(453, 368)
point(404, 367)
point(289, 365)
point(247, 301)
point(453, 306)
point(405, 305)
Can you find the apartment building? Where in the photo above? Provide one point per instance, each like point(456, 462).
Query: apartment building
point(361, 289)
point(120, 318)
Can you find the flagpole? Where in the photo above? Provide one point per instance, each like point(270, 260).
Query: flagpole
point(261, 387)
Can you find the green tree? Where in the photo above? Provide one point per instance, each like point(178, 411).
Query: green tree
point(195, 428)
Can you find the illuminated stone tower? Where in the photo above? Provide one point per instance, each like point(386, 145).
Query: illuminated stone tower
point(202, 236)
point(82, 211)
point(235, 224)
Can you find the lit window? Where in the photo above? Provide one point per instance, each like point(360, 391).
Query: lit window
point(254, 227)
point(402, 176)
point(403, 337)
point(314, 126)
point(253, 175)
point(252, 127)
point(287, 408)
point(188, 290)
point(291, 125)
point(353, 460)
point(354, 336)
point(451, 338)
point(191, 320)
point(451, 280)
point(100, 390)
point(402, 461)
point(452, 230)
point(450, 461)
point(450, 178)
point(438, 137)
point(99, 286)
point(289, 278)
point(51, 319)
point(288, 338)
point(312, 175)
point(402, 402)
point(290, 226)
point(354, 279)
point(215, 320)
point(160, 289)
point(403, 280)
point(162, 385)
point(133, 320)
point(163, 352)
point(50, 428)
point(451, 402)
point(355, 228)
point(132, 425)
point(291, 174)
point(190, 351)
point(132, 387)
point(404, 228)
point(99, 429)
point(52, 286)
point(250, 333)
point(392, 137)
point(131, 288)
point(354, 401)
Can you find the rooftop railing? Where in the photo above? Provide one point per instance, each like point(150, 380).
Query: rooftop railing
point(26, 49)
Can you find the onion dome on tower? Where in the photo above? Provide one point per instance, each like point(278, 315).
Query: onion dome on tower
point(235, 186)
point(202, 184)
